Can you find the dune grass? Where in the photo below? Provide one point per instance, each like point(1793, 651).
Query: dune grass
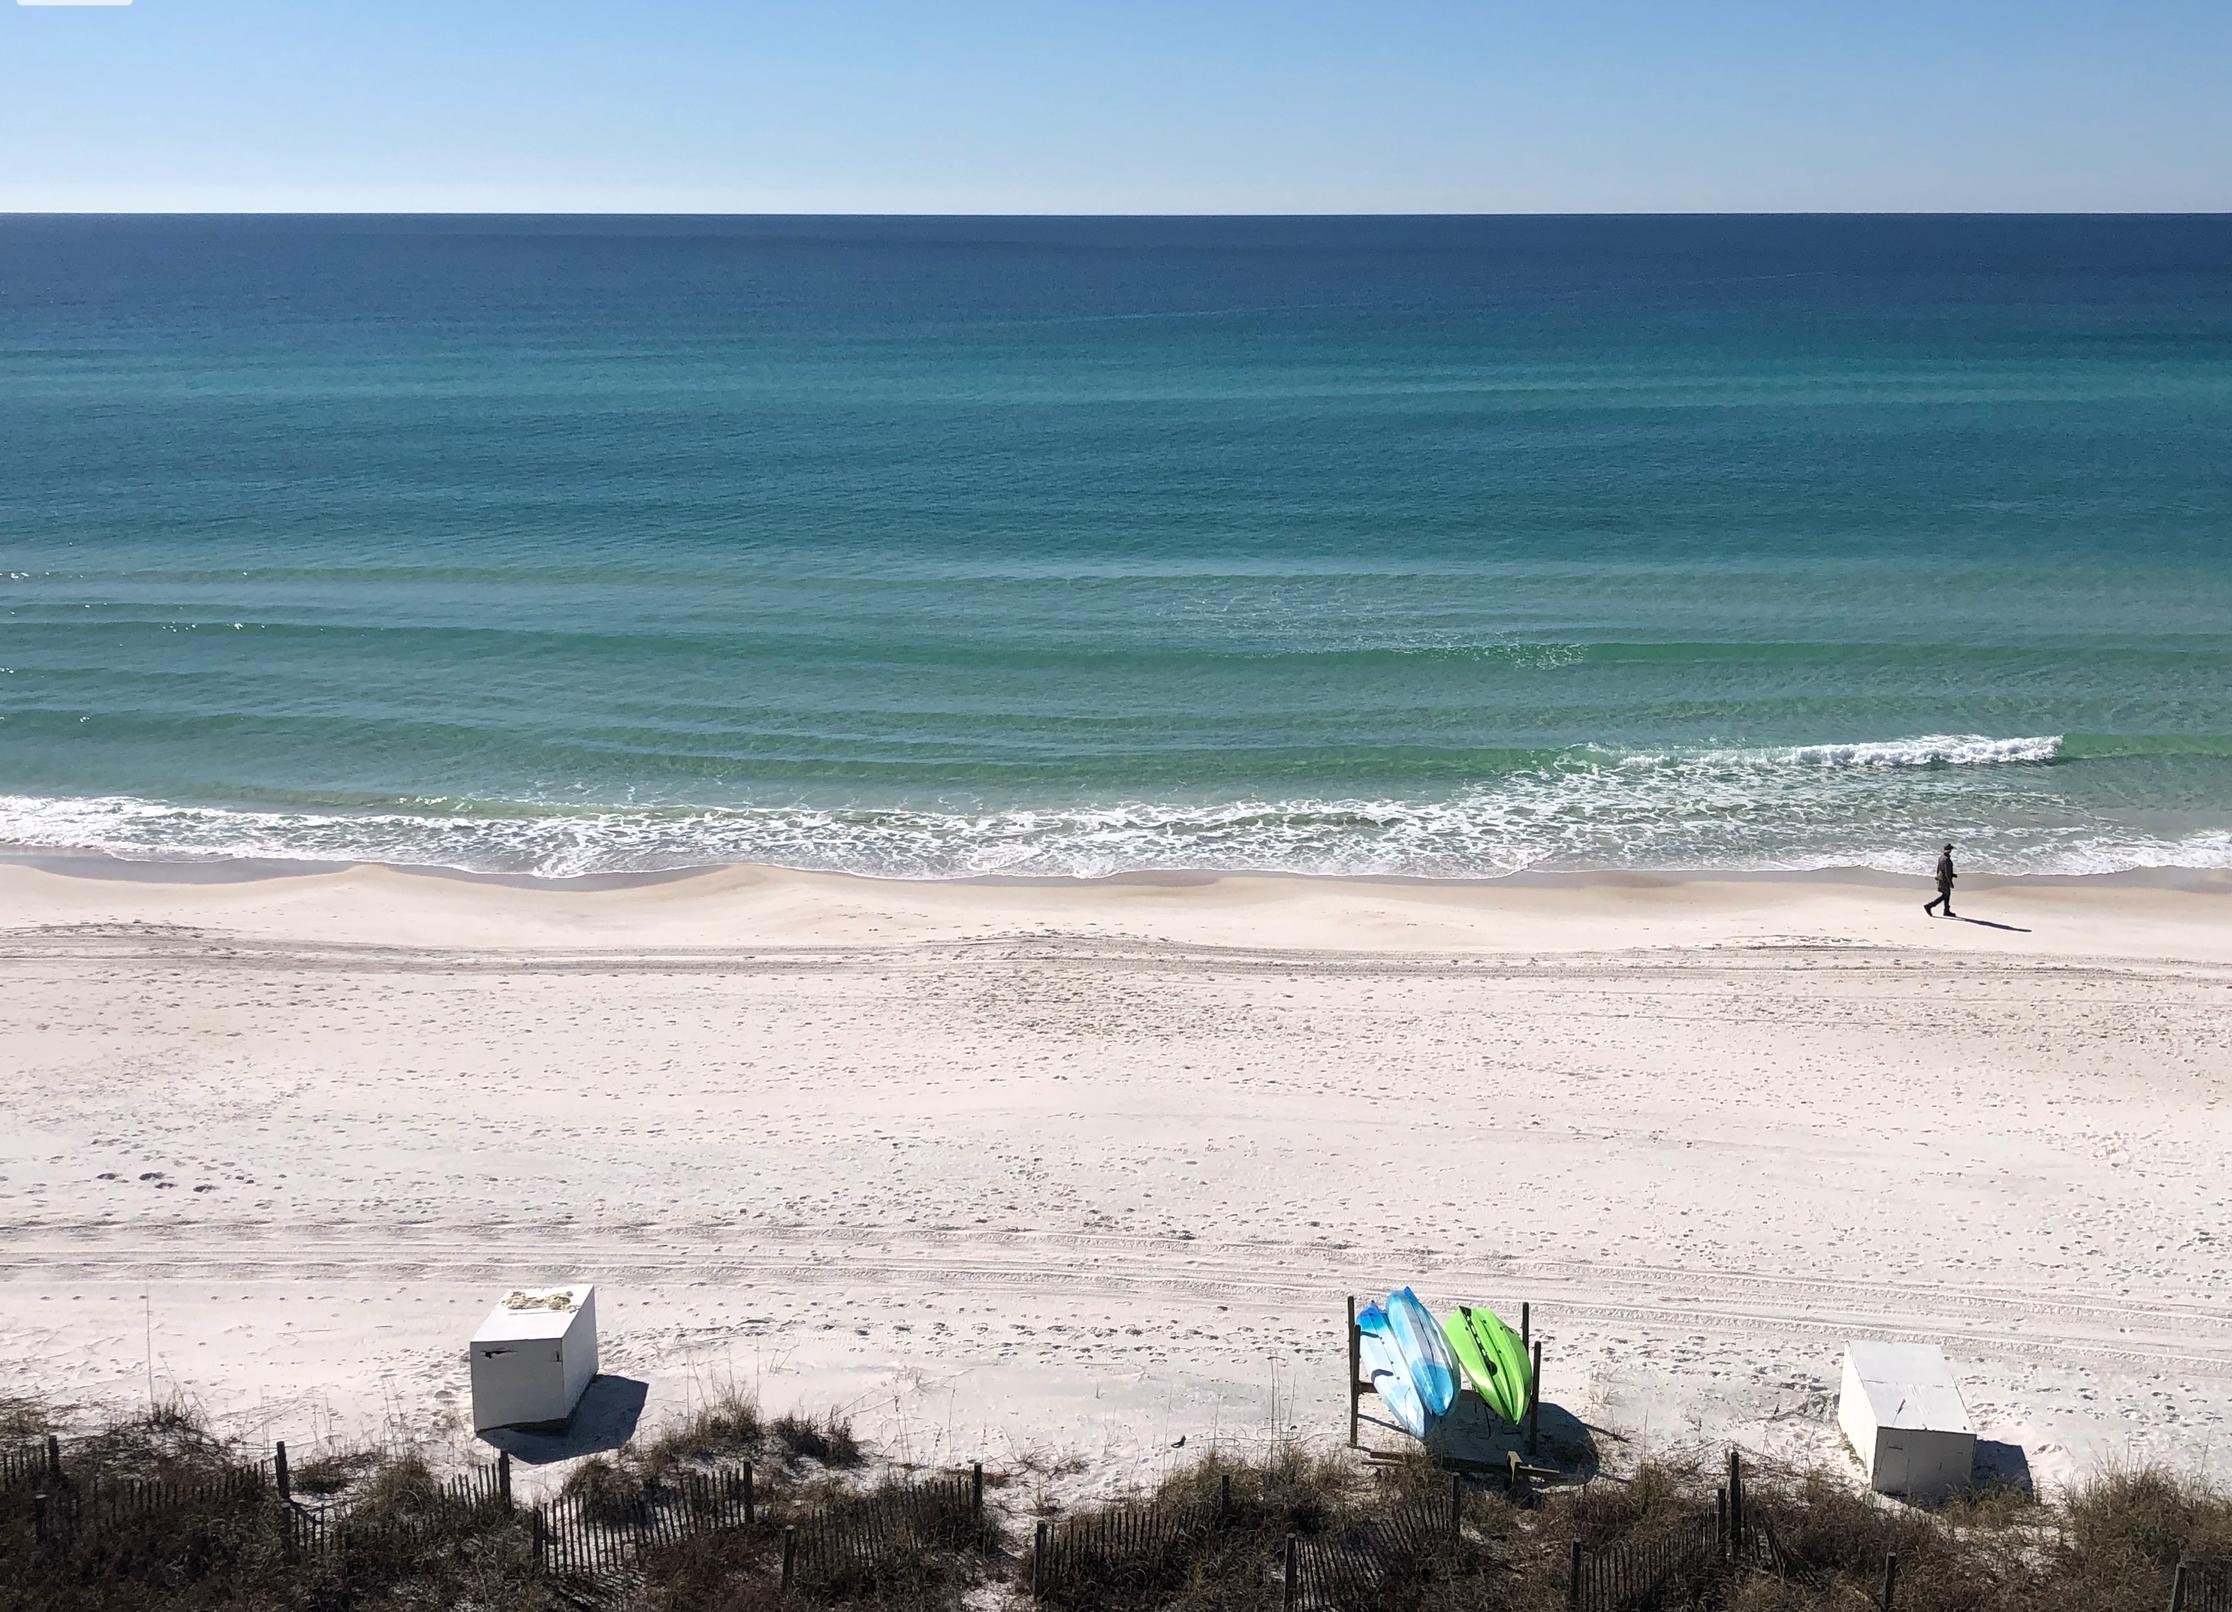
point(827, 1440)
point(2106, 1545)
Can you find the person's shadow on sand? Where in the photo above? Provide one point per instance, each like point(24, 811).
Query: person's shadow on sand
point(2013, 929)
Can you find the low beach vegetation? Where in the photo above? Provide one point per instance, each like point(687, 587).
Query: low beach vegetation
point(156, 1511)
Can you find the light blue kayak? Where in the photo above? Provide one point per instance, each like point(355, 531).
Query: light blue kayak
point(1425, 1349)
point(1384, 1368)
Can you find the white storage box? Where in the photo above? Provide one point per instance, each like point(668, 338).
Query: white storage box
point(533, 1356)
point(1903, 1412)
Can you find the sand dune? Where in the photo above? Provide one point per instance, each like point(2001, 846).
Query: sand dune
point(1015, 1168)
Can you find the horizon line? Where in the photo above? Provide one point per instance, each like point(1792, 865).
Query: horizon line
point(607, 212)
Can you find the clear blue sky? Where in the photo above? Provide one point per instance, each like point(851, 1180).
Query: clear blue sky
point(1137, 106)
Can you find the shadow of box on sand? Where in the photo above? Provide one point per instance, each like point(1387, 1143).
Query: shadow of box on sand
point(604, 1419)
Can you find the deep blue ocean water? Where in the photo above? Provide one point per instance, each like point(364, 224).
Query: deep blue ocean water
point(1437, 546)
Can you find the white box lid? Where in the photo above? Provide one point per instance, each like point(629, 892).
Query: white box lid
point(534, 1312)
point(1909, 1385)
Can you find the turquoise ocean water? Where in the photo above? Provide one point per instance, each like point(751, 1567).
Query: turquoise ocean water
point(1421, 546)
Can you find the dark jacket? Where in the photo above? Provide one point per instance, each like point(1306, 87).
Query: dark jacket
point(1945, 870)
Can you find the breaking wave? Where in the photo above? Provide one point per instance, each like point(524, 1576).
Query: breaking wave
point(1932, 750)
point(1879, 804)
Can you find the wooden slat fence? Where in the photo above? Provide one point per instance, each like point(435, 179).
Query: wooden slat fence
point(192, 1526)
point(102, 1504)
point(33, 1464)
point(1635, 1573)
point(1122, 1555)
point(2202, 1586)
point(570, 1537)
point(408, 1525)
point(1362, 1567)
point(575, 1540)
point(1138, 1555)
point(1752, 1544)
point(1109, 1560)
point(856, 1545)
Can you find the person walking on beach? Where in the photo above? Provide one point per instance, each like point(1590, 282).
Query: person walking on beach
point(1945, 877)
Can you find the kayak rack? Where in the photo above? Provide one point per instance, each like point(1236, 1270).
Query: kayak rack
point(1515, 1471)
point(1359, 1386)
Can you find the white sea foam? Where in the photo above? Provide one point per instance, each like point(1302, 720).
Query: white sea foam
point(1934, 750)
point(1930, 750)
point(1804, 807)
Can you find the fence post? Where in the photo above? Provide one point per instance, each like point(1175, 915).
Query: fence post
point(503, 1477)
point(1293, 1572)
point(2178, 1588)
point(751, 1513)
point(976, 1488)
point(279, 1470)
point(1224, 1498)
point(1038, 1559)
point(1356, 1368)
point(1890, 1579)
point(1456, 1504)
point(1720, 1521)
point(538, 1533)
point(790, 1554)
point(1573, 1577)
point(54, 1459)
point(1735, 1501)
point(1534, 1403)
point(39, 1518)
point(1526, 1327)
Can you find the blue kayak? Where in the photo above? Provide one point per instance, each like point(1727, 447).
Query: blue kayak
point(1384, 1368)
point(1425, 1350)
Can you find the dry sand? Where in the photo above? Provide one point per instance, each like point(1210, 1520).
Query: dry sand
point(1018, 1170)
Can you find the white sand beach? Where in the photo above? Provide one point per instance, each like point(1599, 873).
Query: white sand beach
point(1014, 1169)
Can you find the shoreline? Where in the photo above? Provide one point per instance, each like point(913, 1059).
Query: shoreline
point(101, 865)
point(2152, 914)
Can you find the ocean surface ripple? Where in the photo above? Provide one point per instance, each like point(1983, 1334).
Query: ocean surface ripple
point(928, 548)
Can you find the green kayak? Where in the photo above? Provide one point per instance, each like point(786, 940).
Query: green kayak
point(1493, 1358)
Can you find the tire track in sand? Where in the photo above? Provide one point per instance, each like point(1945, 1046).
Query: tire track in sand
point(2076, 1328)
